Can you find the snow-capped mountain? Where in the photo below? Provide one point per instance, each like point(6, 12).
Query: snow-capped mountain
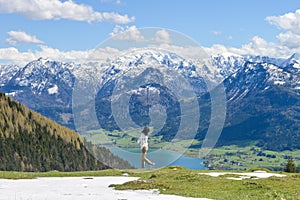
point(139, 61)
point(261, 76)
point(263, 105)
point(293, 61)
point(262, 92)
point(44, 86)
point(44, 76)
point(143, 71)
point(227, 64)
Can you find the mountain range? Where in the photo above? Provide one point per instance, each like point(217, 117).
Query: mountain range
point(263, 105)
point(262, 93)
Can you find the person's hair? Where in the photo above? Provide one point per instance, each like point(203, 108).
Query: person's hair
point(146, 130)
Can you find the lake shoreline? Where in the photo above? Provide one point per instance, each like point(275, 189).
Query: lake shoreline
point(162, 158)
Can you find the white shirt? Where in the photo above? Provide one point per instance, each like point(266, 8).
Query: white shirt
point(143, 140)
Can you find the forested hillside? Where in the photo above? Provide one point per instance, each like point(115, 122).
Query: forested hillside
point(32, 142)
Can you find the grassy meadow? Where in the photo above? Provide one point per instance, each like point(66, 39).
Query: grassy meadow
point(190, 183)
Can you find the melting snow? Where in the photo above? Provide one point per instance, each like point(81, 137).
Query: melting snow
point(77, 188)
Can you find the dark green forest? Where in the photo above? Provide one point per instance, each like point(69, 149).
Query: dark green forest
point(32, 142)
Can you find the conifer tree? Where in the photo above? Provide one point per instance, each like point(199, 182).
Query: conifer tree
point(290, 166)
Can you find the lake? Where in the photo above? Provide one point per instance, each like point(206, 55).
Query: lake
point(160, 157)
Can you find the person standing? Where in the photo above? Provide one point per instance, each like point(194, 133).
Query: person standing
point(143, 141)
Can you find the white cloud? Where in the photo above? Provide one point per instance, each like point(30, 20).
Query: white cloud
point(162, 37)
point(257, 46)
point(56, 9)
point(129, 33)
point(288, 44)
point(13, 56)
point(289, 39)
point(19, 37)
point(289, 21)
point(189, 52)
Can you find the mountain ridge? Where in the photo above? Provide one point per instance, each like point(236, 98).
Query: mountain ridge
point(249, 81)
point(263, 102)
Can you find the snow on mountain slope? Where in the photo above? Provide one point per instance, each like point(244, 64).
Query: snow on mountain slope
point(151, 58)
point(47, 76)
point(35, 73)
point(260, 76)
point(227, 64)
point(7, 72)
point(43, 84)
point(42, 75)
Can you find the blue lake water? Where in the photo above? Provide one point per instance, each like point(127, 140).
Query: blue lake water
point(161, 158)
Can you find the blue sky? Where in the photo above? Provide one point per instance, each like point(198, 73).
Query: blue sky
point(63, 26)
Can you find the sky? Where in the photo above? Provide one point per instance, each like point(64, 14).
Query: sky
point(68, 30)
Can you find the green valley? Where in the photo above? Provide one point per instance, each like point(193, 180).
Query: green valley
point(232, 157)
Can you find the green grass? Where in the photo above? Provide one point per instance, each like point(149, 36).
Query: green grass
point(191, 183)
point(244, 158)
point(31, 175)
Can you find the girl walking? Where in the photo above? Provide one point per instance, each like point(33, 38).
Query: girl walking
point(143, 140)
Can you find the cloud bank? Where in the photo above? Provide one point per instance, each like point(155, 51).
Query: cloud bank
point(288, 43)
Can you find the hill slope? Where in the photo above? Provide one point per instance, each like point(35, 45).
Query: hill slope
point(31, 142)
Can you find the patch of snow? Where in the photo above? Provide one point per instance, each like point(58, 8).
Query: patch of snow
point(296, 65)
point(245, 175)
point(239, 178)
point(77, 188)
point(12, 94)
point(53, 90)
point(23, 82)
point(215, 174)
point(279, 82)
